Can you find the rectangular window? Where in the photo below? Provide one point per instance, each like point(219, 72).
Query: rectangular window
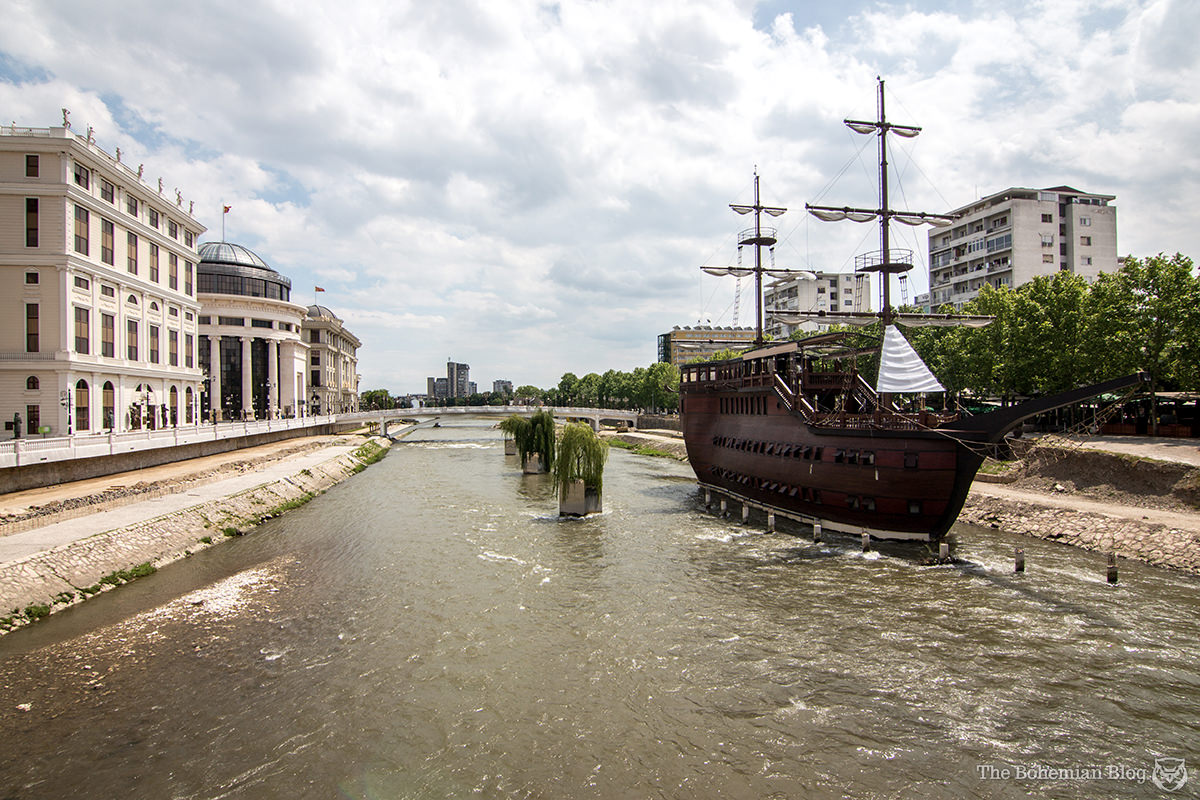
point(1086, 241)
point(108, 291)
point(152, 218)
point(1048, 258)
point(81, 230)
point(189, 238)
point(82, 176)
point(31, 278)
point(32, 167)
point(131, 339)
point(1047, 240)
point(108, 335)
point(316, 359)
point(152, 344)
point(131, 245)
point(187, 278)
point(31, 328)
point(1047, 218)
point(204, 320)
point(173, 348)
point(1085, 221)
point(172, 271)
point(173, 311)
point(131, 206)
point(1085, 261)
point(31, 222)
point(108, 191)
point(154, 263)
point(107, 234)
point(261, 323)
point(173, 229)
point(188, 346)
point(238, 321)
point(316, 377)
point(82, 334)
point(82, 283)
point(34, 416)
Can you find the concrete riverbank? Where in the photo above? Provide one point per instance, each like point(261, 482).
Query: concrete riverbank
point(108, 537)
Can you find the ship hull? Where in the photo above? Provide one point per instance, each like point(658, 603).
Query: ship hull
point(904, 485)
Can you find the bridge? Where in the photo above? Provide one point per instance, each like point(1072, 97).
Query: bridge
point(593, 416)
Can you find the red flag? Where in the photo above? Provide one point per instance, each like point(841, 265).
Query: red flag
point(227, 209)
point(318, 289)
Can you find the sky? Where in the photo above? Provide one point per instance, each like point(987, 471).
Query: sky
point(531, 187)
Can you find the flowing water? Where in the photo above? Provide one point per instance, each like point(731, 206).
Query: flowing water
point(432, 629)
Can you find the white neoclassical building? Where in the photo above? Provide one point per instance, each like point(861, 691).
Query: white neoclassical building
point(252, 355)
point(333, 362)
point(98, 312)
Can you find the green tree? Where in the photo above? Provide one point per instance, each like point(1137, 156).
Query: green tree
point(373, 399)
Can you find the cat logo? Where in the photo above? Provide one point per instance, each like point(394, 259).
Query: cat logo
point(1169, 774)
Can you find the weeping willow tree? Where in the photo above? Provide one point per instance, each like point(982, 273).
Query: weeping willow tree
point(581, 456)
point(533, 435)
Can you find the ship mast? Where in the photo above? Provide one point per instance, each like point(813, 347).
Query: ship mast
point(881, 262)
point(760, 236)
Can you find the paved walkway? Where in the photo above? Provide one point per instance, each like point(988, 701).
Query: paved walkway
point(20, 545)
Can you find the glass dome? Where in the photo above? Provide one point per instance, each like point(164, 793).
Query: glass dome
point(227, 268)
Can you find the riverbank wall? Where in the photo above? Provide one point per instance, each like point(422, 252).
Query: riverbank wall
point(52, 580)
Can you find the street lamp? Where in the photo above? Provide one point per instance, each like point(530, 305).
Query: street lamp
point(64, 398)
point(316, 403)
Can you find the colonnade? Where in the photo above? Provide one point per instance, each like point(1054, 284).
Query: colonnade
point(284, 389)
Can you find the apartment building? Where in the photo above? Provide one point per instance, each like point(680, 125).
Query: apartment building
point(1011, 237)
point(828, 291)
point(98, 309)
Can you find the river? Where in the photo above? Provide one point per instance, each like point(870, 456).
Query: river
point(432, 629)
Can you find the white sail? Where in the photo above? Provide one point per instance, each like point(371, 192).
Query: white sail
point(901, 369)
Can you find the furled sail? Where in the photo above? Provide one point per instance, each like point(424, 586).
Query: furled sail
point(901, 369)
point(838, 214)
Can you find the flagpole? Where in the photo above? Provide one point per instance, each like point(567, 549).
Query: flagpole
point(224, 211)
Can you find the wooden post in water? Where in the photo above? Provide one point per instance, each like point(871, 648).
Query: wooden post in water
point(770, 522)
point(816, 531)
point(866, 541)
point(1112, 567)
point(745, 512)
point(1019, 563)
point(707, 498)
point(724, 507)
point(943, 552)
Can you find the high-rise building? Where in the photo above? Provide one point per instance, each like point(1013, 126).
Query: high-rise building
point(458, 379)
point(98, 308)
point(502, 387)
point(828, 291)
point(1011, 237)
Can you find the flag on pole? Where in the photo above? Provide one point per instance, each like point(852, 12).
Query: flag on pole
point(227, 209)
point(318, 289)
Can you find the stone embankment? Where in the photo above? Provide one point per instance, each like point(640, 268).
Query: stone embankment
point(48, 581)
point(1138, 508)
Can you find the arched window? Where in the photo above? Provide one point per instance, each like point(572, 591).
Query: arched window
point(32, 383)
point(174, 405)
point(131, 300)
point(153, 306)
point(188, 411)
point(109, 403)
point(83, 419)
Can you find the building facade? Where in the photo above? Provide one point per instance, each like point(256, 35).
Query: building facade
point(253, 358)
point(1011, 237)
point(458, 379)
point(502, 387)
point(333, 362)
point(98, 306)
point(829, 291)
point(681, 345)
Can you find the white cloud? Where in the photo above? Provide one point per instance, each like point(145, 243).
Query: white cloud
point(530, 186)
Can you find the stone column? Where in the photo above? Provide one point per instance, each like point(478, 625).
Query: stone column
point(247, 384)
point(272, 379)
point(214, 370)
